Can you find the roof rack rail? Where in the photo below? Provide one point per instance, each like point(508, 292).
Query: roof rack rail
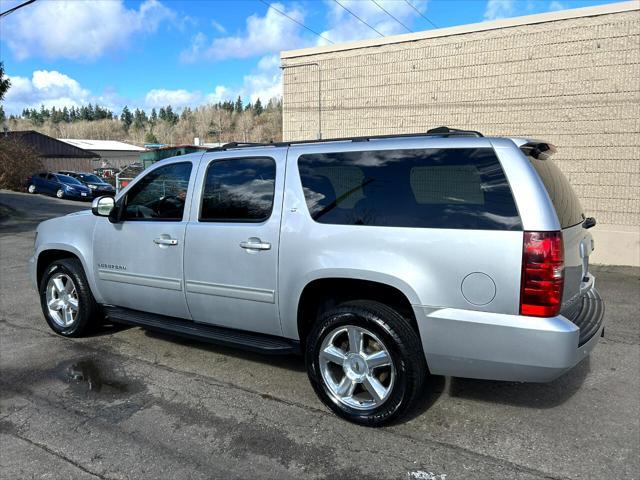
point(454, 131)
point(434, 132)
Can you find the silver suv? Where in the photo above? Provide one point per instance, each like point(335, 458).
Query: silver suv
point(380, 259)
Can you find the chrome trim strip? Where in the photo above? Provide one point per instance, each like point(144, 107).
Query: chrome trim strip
point(231, 291)
point(143, 280)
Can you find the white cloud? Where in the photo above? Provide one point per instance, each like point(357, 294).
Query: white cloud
point(218, 27)
point(46, 87)
point(220, 94)
point(496, 9)
point(263, 34)
point(180, 98)
point(345, 27)
point(555, 6)
point(265, 82)
point(79, 30)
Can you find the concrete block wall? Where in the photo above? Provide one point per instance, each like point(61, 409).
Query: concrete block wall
point(570, 77)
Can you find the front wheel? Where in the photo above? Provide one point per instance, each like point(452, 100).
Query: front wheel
point(365, 362)
point(60, 193)
point(67, 302)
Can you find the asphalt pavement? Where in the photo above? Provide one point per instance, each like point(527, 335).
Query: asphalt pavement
point(128, 404)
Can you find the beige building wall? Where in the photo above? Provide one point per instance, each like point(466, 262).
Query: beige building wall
point(569, 77)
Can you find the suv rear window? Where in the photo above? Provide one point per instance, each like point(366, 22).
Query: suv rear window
point(564, 199)
point(428, 188)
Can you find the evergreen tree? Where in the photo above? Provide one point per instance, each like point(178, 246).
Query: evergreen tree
point(257, 107)
point(150, 137)
point(238, 106)
point(154, 116)
point(5, 83)
point(139, 119)
point(126, 118)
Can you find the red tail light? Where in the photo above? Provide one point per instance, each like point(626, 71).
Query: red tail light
point(542, 274)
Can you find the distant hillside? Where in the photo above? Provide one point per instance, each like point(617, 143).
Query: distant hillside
point(222, 122)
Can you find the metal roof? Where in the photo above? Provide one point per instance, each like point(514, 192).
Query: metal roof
point(48, 147)
point(93, 145)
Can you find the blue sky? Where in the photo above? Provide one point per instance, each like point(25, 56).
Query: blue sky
point(185, 53)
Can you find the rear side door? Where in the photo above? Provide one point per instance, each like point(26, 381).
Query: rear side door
point(50, 183)
point(138, 260)
point(233, 240)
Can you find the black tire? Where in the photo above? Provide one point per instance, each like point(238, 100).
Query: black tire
point(88, 311)
point(400, 340)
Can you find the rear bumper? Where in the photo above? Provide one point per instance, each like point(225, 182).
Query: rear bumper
point(466, 343)
point(78, 195)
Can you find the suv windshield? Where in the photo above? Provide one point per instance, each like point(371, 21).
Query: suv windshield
point(564, 199)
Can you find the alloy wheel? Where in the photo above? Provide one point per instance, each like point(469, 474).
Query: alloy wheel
point(62, 300)
point(356, 367)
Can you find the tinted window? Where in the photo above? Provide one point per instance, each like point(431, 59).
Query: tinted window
point(431, 188)
point(564, 199)
point(90, 178)
point(68, 179)
point(160, 194)
point(239, 190)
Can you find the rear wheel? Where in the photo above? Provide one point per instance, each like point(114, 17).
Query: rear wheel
point(31, 188)
point(365, 362)
point(67, 302)
point(60, 193)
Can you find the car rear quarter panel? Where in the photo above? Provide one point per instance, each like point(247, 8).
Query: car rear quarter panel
point(427, 265)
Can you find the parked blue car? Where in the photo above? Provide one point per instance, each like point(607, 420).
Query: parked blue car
point(62, 186)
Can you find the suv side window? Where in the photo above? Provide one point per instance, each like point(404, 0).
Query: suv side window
point(160, 194)
point(462, 188)
point(239, 190)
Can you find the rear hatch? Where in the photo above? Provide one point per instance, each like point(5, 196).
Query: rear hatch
point(578, 242)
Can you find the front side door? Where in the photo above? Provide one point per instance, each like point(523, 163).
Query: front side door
point(233, 238)
point(138, 261)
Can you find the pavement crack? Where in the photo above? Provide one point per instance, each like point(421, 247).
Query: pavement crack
point(50, 451)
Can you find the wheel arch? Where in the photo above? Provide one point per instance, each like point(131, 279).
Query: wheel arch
point(325, 292)
point(51, 252)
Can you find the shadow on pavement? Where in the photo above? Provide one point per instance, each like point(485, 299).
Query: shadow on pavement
point(532, 395)
point(289, 362)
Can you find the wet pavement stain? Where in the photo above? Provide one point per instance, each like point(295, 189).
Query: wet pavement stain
point(91, 377)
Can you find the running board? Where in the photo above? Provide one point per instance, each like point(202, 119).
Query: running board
point(256, 342)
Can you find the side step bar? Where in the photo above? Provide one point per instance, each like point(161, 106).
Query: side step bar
point(266, 344)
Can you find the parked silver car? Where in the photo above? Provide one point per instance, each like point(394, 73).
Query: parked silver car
point(381, 259)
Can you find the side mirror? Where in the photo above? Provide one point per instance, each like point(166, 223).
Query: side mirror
point(103, 206)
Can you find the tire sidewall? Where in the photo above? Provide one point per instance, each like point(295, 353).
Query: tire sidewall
point(83, 313)
point(378, 326)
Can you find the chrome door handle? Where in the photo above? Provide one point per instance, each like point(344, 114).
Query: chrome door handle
point(165, 241)
point(255, 244)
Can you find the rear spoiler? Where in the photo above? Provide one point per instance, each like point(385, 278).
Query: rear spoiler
point(538, 149)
